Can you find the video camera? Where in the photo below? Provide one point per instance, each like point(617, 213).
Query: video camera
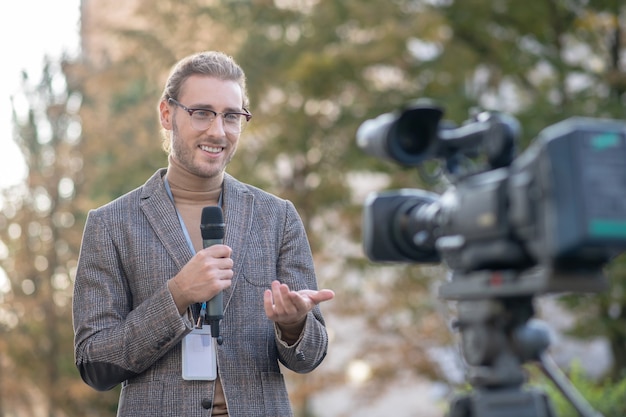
point(546, 221)
point(508, 227)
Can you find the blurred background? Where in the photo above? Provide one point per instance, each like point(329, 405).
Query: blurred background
point(79, 127)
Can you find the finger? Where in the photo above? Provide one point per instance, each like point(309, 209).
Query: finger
point(268, 304)
point(279, 292)
point(218, 251)
point(280, 297)
point(322, 295)
point(286, 302)
point(225, 263)
point(226, 278)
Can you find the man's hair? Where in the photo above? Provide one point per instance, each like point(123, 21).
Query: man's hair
point(210, 63)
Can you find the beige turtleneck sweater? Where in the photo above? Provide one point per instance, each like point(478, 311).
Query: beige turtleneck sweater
point(191, 194)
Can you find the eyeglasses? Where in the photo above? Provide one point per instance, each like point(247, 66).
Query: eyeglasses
point(202, 119)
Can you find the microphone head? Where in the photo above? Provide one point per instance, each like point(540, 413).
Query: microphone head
point(212, 223)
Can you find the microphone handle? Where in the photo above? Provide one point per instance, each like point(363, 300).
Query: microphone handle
point(210, 242)
point(215, 306)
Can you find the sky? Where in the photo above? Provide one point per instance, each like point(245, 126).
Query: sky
point(29, 30)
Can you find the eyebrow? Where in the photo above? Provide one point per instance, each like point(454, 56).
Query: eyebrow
point(211, 107)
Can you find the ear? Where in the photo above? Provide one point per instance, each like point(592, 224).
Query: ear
point(165, 115)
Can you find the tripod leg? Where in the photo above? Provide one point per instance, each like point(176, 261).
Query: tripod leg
point(552, 371)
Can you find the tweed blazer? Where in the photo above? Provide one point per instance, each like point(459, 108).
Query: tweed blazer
point(128, 329)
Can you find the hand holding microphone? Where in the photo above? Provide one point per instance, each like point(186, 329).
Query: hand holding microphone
point(208, 273)
point(212, 228)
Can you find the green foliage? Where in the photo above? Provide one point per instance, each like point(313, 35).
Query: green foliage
point(604, 314)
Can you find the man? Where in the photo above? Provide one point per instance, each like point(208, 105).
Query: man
point(143, 272)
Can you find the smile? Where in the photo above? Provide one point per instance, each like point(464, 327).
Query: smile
point(211, 149)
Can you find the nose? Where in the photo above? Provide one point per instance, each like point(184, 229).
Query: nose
point(216, 127)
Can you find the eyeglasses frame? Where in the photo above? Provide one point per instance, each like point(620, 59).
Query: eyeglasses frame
point(246, 113)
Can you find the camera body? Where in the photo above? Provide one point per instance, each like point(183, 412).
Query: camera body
point(547, 220)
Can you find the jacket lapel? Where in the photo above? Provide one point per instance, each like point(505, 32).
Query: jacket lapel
point(238, 215)
point(161, 214)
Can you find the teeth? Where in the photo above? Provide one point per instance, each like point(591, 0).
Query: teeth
point(212, 149)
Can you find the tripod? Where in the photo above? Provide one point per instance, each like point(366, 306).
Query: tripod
point(497, 340)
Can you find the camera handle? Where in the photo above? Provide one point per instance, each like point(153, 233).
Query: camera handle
point(497, 340)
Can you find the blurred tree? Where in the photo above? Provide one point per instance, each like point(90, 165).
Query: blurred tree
point(40, 241)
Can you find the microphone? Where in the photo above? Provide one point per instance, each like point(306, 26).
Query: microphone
point(212, 228)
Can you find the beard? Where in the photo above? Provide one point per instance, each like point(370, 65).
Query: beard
point(185, 154)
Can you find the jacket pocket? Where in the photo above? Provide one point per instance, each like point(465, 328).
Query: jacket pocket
point(260, 275)
point(141, 399)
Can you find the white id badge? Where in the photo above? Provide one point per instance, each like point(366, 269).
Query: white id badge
point(199, 358)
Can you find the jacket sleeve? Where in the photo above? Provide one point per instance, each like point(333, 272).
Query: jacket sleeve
point(113, 339)
point(295, 268)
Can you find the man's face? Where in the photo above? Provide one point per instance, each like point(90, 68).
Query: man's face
point(203, 153)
